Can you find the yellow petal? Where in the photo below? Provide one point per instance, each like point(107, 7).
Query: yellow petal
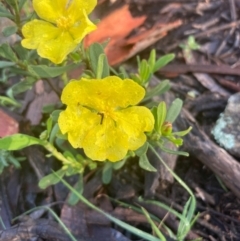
point(36, 32)
point(50, 10)
point(79, 31)
point(105, 141)
point(77, 122)
point(134, 121)
point(57, 49)
point(76, 6)
point(110, 92)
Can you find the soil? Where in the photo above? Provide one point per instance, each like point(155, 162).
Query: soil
point(205, 79)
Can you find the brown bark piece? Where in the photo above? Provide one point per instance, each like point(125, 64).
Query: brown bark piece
point(117, 26)
point(41, 229)
point(8, 126)
point(214, 157)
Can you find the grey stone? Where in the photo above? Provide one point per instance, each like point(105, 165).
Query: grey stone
point(227, 128)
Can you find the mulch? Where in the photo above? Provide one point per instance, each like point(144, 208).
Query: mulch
point(205, 80)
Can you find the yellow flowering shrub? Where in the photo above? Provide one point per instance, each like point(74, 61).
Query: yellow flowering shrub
point(64, 24)
point(101, 117)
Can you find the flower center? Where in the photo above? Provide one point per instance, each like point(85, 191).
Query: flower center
point(107, 113)
point(64, 23)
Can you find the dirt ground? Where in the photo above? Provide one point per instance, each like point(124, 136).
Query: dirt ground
point(205, 78)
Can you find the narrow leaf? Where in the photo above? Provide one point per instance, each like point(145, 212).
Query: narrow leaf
point(7, 53)
point(94, 51)
point(51, 179)
point(107, 173)
point(44, 71)
point(182, 133)
point(174, 110)
point(158, 90)
point(8, 31)
point(153, 225)
point(4, 12)
point(145, 164)
point(17, 142)
point(152, 60)
point(164, 60)
point(161, 115)
point(100, 66)
point(21, 87)
point(5, 64)
point(180, 153)
point(142, 150)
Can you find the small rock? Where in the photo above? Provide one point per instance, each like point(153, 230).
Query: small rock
point(227, 129)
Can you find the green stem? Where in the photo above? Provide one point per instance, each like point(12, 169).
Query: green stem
point(17, 15)
point(48, 146)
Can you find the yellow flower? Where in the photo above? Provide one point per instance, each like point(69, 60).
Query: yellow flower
point(101, 117)
point(65, 23)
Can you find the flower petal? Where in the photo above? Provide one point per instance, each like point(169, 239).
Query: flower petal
point(105, 141)
point(134, 121)
point(79, 31)
point(77, 5)
point(57, 49)
point(36, 32)
point(50, 10)
point(99, 94)
point(77, 122)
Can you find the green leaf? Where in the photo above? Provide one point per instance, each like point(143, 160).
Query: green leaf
point(13, 3)
point(5, 13)
point(17, 142)
point(5, 64)
point(21, 3)
point(136, 78)
point(192, 44)
point(102, 68)
point(123, 72)
point(144, 71)
point(174, 140)
point(161, 115)
point(182, 133)
point(164, 60)
point(118, 165)
point(21, 52)
point(21, 87)
point(6, 101)
point(55, 115)
point(142, 150)
point(145, 164)
point(152, 60)
point(8, 31)
point(44, 71)
point(107, 173)
point(180, 153)
point(158, 90)
point(73, 198)
point(49, 125)
point(153, 225)
point(47, 109)
point(94, 52)
point(51, 179)
point(174, 110)
point(7, 53)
